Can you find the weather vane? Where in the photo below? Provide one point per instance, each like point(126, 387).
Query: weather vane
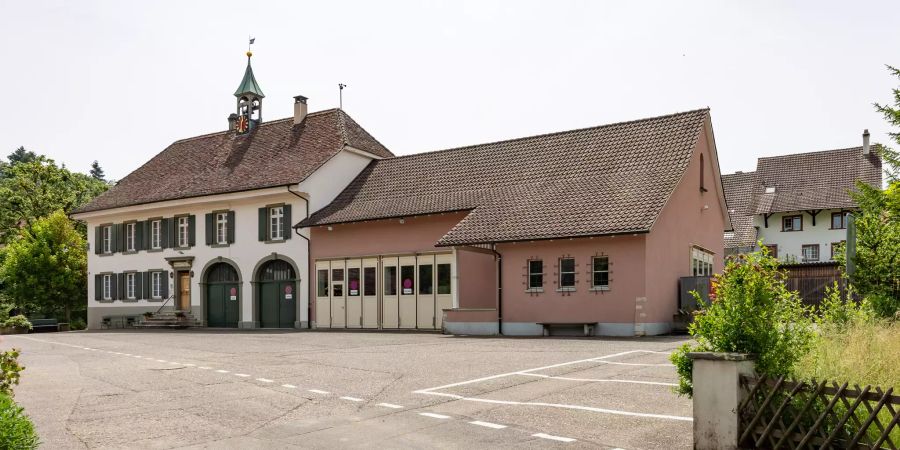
point(341, 87)
point(251, 41)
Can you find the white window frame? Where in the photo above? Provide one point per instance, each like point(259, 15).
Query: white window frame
point(156, 285)
point(107, 286)
point(156, 234)
point(130, 235)
point(222, 228)
point(561, 273)
point(539, 288)
point(595, 271)
point(131, 286)
point(183, 231)
point(276, 223)
point(106, 237)
point(816, 247)
point(701, 262)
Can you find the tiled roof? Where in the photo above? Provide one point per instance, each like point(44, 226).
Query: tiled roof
point(276, 153)
point(809, 181)
point(594, 181)
point(738, 189)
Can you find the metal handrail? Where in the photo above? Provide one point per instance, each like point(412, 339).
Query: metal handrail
point(164, 304)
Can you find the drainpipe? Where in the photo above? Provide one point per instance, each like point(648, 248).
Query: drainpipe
point(297, 232)
point(499, 289)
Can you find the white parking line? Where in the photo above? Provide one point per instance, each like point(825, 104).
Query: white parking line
point(188, 365)
point(434, 416)
point(390, 405)
point(243, 375)
point(635, 364)
point(317, 391)
point(204, 368)
point(289, 386)
point(352, 399)
point(173, 362)
point(495, 426)
point(602, 380)
point(264, 380)
point(161, 360)
point(222, 371)
point(552, 437)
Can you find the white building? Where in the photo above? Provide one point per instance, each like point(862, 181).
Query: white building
point(205, 226)
point(797, 205)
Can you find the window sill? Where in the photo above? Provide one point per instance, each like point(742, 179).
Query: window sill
point(106, 254)
point(130, 300)
point(220, 245)
point(182, 248)
point(275, 241)
point(130, 252)
point(106, 300)
point(791, 231)
point(154, 250)
point(600, 289)
point(566, 289)
point(155, 299)
point(534, 290)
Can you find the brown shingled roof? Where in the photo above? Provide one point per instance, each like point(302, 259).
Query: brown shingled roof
point(594, 181)
point(276, 153)
point(738, 192)
point(809, 181)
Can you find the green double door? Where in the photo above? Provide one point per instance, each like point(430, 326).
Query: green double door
point(223, 305)
point(277, 304)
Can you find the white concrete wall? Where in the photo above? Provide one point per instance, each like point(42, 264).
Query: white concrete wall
point(332, 177)
point(790, 242)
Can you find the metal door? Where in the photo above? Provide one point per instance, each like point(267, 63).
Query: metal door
point(407, 291)
point(425, 292)
point(338, 294)
point(222, 296)
point(354, 293)
point(268, 305)
point(443, 287)
point(390, 309)
point(370, 293)
point(323, 294)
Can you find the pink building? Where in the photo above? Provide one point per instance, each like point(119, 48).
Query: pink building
point(588, 230)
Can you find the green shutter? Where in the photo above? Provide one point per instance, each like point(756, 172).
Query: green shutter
point(139, 285)
point(209, 229)
point(98, 287)
point(139, 228)
point(192, 230)
point(263, 213)
point(98, 240)
point(286, 223)
point(164, 284)
point(115, 232)
point(114, 286)
point(230, 227)
point(172, 238)
point(145, 284)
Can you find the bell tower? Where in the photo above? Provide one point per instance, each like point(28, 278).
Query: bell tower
point(249, 102)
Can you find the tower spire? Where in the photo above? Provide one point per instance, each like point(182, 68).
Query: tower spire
point(249, 100)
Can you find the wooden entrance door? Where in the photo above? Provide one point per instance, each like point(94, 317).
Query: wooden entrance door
point(184, 291)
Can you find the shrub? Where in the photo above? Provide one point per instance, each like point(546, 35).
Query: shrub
point(19, 321)
point(78, 324)
point(9, 371)
point(16, 429)
point(750, 311)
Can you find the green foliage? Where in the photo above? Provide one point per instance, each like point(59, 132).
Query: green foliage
point(16, 430)
point(750, 311)
point(9, 371)
point(21, 156)
point(97, 172)
point(862, 351)
point(837, 311)
point(18, 321)
point(46, 269)
point(77, 324)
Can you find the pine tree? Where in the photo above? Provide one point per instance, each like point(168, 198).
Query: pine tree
point(97, 171)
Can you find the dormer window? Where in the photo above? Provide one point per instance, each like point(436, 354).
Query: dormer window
point(770, 189)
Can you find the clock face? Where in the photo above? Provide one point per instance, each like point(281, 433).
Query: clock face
point(243, 124)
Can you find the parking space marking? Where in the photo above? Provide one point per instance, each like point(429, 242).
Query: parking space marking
point(222, 371)
point(495, 426)
point(552, 437)
point(635, 364)
point(601, 380)
point(318, 391)
point(352, 399)
point(390, 405)
point(264, 380)
point(204, 368)
point(242, 375)
point(289, 386)
point(434, 416)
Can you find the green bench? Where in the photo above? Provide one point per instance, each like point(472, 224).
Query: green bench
point(39, 325)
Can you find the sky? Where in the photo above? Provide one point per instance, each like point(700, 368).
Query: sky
point(119, 81)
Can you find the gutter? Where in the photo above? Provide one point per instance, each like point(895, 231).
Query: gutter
point(499, 289)
point(308, 244)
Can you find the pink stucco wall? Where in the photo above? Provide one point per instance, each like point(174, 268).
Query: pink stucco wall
point(477, 283)
point(683, 222)
point(626, 257)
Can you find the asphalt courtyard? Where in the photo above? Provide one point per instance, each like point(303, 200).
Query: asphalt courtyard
point(272, 390)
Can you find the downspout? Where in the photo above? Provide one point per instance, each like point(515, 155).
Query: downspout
point(297, 232)
point(499, 289)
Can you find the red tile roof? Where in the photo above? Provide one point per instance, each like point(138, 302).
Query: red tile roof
point(603, 180)
point(276, 153)
point(738, 192)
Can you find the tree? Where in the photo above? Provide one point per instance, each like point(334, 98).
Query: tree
point(21, 156)
point(877, 258)
point(35, 189)
point(46, 268)
point(97, 171)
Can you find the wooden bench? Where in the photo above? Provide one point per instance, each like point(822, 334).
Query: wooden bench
point(38, 325)
point(588, 327)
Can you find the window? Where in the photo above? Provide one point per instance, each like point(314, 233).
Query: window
point(810, 252)
point(369, 281)
point(276, 223)
point(773, 250)
point(337, 282)
point(107, 287)
point(407, 280)
point(443, 279)
point(838, 221)
point(183, 225)
point(701, 262)
point(390, 280)
point(535, 274)
point(130, 236)
point(222, 228)
point(156, 284)
point(835, 246)
point(426, 279)
point(600, 269)
point(353, 280)
point(156, 234)
point(107, 239)
point(322, 283)
point(567, 273)
point(792, 223)
point(130, 293)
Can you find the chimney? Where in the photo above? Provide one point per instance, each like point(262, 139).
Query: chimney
point(299, 109)
point(866, 142)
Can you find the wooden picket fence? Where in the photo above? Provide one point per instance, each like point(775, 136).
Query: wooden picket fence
point(778, 413)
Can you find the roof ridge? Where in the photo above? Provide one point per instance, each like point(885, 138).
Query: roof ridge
point(271, 122)
point(752, 172)
point(554, 133)
point(813, 152)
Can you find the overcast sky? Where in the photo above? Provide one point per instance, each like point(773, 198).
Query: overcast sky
point(119, 81)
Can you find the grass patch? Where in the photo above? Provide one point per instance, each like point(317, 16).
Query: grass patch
point(862, 352)
point(16, 429)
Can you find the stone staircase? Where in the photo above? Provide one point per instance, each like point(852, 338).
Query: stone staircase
point(169, 319)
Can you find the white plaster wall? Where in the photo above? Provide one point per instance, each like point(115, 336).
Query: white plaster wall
point(329, 180)
point(790, 242)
